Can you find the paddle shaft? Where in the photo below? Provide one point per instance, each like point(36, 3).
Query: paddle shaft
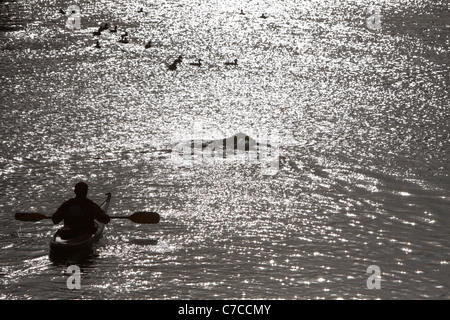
point(137, 217)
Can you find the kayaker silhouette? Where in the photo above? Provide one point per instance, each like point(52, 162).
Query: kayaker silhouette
point(79, 214)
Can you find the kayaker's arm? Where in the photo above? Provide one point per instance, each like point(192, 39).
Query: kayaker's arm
point(57, 217)
point(100, 215)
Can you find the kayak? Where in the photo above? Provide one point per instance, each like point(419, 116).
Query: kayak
point(58, 245)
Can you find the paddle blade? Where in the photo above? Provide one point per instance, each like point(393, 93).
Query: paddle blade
point(30, 216)
point(144, 217)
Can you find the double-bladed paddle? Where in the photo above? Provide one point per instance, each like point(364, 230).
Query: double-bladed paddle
point(141, 217)
point(137, 217)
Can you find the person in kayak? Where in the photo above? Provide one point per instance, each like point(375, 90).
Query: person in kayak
point(79, 213)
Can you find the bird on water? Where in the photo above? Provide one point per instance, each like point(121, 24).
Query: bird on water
point(198, 64)
point(174, 64)
point(234, 63)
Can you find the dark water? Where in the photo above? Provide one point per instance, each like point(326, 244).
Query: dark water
point(362, 116)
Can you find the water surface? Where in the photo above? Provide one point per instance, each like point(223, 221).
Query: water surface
point(362, 116)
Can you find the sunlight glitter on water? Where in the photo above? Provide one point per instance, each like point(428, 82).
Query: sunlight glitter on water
point(363, 124)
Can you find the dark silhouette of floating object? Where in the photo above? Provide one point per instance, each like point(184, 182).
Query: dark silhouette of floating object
point(148, 44)
point(113, 30)
point(198, 64)
point(174, 64)
point(98, 32)
point(263, 16)
point(123, 37)
point(242, 12)
point(61, 11)
point(232, 63)
point(104, 26)
point(97, 45)
point(140, 10)
point(239, 142)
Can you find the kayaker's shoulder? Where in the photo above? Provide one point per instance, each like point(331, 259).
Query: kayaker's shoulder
point(67, 202)
point(83, 202)
point(87, 200)
point(93, 204)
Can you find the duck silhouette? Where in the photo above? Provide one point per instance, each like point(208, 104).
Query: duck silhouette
point(174, 64)
point(242, 12)
point(140, 10)
point(148, 44)
point(198, 64)
point(232, 63)
point(263, 16)
point(113, 30)
point(104, 26)
point(123, 37)
point(97, 33)
point(97, 45)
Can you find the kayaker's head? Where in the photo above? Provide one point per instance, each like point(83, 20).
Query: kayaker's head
point(81, 190)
